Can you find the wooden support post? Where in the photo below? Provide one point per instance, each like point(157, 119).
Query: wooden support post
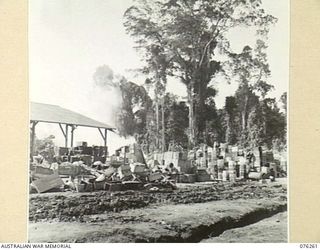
point(66, 137)
point(73, 127)
point(104, 137)
point(71, 140)
point(105, 142)
point(33, 135)
point(65, 134)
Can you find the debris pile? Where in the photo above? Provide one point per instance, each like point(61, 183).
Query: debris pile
point(76, 171)
point(223, 162)
point(87, 169)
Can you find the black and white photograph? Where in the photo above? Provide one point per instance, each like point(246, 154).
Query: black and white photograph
point(158, 121)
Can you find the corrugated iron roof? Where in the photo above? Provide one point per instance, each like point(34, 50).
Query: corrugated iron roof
point(55, 114)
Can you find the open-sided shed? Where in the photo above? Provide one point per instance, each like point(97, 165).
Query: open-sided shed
point(66, 119)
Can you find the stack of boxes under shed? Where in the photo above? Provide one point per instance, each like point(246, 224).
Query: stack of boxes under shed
point(81, 152)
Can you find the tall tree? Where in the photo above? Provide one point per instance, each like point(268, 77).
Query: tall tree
point(231, 110)
point(176, 121)
point(156, 69)
point(190, 32)
point(256, 131)
point(275, 122)
point(246, 100)
point(157, 66)
point(211, 125)
point(251, 70)
point(133, 112)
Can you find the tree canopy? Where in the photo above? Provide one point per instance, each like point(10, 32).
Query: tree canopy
point(188, 40)
point(189, 34)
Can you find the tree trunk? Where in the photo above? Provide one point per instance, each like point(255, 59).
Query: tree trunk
point(244, 114)
point(227, 138)
point(201, 119)
point(191, 136)
point(163, 141)
point(157, 124)
point(243, 120)
point(149, 117)
point(206, 133)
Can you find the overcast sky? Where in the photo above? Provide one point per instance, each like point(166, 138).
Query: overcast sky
point(69, 39)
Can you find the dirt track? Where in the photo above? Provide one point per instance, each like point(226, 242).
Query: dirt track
point(190, 214)
point(274, 228)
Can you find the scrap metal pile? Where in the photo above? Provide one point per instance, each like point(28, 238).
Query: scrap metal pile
point(224, 162)
point(78, 173)
point(87, 169)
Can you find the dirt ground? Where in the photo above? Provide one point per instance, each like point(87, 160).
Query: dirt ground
point(204, 212)
point(274, 228)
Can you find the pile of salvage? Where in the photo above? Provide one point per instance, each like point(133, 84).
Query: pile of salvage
point(87, 169)
point(77, 170)
point(224, 162)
